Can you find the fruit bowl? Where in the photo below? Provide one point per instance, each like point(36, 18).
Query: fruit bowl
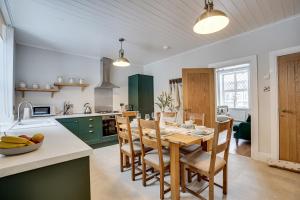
point(14, 145)
point(20, 150)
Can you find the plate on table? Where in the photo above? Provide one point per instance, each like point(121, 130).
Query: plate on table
point(20, 150)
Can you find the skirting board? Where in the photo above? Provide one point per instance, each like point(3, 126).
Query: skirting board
point(282, 164)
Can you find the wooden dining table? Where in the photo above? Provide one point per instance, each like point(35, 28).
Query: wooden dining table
point(174, 138)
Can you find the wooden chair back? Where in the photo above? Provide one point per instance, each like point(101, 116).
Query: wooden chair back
point(217, 147)
point(198, 117)
point(146, 141)
point(129, 114)
point(166, 114)
point(124, 131)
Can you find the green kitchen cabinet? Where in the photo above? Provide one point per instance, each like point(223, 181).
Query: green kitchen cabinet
point(141, 93)
point(71, 124)
point(88, 129)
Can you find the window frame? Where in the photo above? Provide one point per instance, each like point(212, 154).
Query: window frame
point(234, 69)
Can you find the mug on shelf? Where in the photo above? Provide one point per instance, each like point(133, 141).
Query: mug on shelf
point(35, 86)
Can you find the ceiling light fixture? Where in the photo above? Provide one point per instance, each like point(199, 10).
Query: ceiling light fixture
point(211, 20)
point(121, 61)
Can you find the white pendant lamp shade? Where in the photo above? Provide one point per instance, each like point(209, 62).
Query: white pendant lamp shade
point(121, 61)
point(211, 20)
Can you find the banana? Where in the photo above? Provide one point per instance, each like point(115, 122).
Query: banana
point(4, 145)
point(14, 140)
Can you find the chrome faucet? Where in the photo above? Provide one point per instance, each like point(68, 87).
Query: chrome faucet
point(19, 106)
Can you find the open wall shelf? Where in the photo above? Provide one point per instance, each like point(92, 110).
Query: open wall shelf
point(81, 85)
point(23, 90)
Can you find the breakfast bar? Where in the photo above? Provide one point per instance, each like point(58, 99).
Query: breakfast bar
point(58, 170)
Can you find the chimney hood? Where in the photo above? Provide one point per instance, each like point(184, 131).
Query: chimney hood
point(106, 66)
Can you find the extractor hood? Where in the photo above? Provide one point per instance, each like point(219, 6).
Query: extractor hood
point(106, 66)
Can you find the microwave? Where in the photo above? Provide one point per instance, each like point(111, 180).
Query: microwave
point(43, 110)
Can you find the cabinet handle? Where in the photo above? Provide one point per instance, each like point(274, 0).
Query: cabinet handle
point(91, 119)
point(75, 121)
point(91, 126)
point(91, 131)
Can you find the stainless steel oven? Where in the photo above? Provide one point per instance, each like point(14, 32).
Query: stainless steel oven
point(109, 125)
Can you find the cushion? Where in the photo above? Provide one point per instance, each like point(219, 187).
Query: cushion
point(190, 148)
point(152, 156)
point(201, 161)
point(136, 147)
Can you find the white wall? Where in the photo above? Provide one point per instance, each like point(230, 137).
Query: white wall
point(259, 42)
point(34, 65)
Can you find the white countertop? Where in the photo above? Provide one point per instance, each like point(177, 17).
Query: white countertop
point(59, 145)
point(85, 115)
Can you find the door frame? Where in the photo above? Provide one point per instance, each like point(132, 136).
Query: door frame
point(255, 154)
point(274, 97)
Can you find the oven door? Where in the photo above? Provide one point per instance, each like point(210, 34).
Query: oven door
point(109, 126)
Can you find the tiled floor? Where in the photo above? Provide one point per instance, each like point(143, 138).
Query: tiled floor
point(248, 180)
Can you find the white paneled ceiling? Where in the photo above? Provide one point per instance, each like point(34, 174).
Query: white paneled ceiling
point(92, 27)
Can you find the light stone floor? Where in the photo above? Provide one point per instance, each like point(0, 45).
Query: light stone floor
point(248, 180)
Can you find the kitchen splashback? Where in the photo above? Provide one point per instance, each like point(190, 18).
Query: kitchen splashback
point(103, 99)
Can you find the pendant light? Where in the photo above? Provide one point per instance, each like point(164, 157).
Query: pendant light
point(211, 20)
point(121, 61)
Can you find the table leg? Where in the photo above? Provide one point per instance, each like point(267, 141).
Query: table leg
point(175, 174)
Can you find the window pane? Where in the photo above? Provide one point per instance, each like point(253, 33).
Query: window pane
point(242, 80)
point(229, 99)
point(228, 81)
point(242, 99)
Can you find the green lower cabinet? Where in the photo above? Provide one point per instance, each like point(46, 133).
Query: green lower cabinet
point(88, 129)
point(69, 180)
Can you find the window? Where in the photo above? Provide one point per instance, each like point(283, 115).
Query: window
point(233, 86)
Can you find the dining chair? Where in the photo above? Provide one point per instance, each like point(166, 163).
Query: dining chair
point(167, 116)
point(207, 165)
point(158, 158)
point(199, 118)
point(127, 146)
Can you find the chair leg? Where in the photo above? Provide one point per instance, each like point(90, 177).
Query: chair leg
point(211, 188)
point(237, 141)
point(132, 168)
point(162, 183)
point(182, 176)
point(121, 161)
point(199, 177)
point(189, 174)
point(144, 173)
point(139, 162)
point(225, 174)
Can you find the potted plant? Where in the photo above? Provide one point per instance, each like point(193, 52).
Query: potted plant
point(164, 100)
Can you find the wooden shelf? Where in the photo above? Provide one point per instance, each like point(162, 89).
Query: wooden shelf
point(23, 90)
point(61, 85)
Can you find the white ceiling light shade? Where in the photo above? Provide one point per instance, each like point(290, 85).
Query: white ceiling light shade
point(121, 61)
point(211, 20)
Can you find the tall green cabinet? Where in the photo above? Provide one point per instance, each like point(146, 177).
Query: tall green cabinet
point(141, 94)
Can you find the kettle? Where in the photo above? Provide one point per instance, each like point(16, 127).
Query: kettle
point(87, 108)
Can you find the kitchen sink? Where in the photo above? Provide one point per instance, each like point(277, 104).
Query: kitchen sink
point(34, 123)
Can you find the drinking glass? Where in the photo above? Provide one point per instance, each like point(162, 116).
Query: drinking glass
point(138, 115)
point(192, 118)
point(147, 117)
point(153, 116)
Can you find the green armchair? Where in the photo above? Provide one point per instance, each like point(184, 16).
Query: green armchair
point(242, 130)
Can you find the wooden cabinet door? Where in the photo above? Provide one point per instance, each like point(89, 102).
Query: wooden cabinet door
point(289, 107)
point(199, 93)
